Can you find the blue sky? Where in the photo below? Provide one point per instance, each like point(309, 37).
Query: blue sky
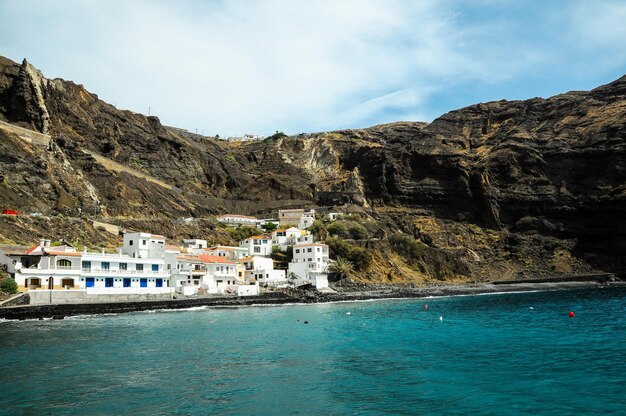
point(235, 67)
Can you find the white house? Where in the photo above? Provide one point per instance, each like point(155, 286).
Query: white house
point(310, 264)
point(186, 272)
point(143, 245)
point(261, 270)
point(43, 266)
point(297, 217)
point(228, 252)
point(221, 274)
point(236, 220)
point(194, 245)
point(123, 273)
point(290, 236)
point(258, 245)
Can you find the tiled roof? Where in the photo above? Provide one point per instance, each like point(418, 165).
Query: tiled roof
point(189, 258)
point(63, 253)
point(207, 258)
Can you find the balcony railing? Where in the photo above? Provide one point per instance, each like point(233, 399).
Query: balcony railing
point(117, 271)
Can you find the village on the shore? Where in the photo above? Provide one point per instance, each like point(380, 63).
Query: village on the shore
point(147, 265)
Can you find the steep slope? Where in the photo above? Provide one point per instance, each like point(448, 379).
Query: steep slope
point(494, 190)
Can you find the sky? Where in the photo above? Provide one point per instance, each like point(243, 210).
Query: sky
point(255, 67)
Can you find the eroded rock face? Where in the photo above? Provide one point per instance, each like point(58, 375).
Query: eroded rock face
point(537, 169)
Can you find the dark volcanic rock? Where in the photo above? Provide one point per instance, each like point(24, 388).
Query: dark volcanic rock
point(535, 170)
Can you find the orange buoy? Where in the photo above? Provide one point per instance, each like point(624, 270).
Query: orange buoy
point(571, 314)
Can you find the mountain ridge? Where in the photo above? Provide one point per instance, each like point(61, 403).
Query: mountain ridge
point(548, 172)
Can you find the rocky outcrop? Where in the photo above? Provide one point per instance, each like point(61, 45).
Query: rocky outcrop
point(536, 185)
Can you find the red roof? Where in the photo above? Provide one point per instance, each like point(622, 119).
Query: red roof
point(64, 253)
point(207, 258)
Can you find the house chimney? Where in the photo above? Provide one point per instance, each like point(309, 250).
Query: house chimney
point(42, 242)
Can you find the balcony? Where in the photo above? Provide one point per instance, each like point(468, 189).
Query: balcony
point(66, 270)
point(116, 272)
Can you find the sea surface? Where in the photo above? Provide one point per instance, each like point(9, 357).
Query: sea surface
point(472, 355)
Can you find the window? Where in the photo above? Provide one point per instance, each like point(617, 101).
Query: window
point(105, 265)
point(64, 263)
point(139, 267)
point(123, 266)
point(297, 251)
point(257, 249)
point(87, 265)
point(130, 243)
point(310, 259)
point(309, 250)
point(144, 242)
point(318, 249)
point(155, 267)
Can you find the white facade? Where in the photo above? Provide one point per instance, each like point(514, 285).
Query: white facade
point(194, 245)
point(300, 218)
point(221, 275)
point(261, 270)
point(310, 264)
point(143, 245)
point(235, 220)
point(123, 272)
point(258, 245)
point(228, 252)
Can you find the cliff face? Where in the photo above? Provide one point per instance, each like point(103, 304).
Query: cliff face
point(494, 190)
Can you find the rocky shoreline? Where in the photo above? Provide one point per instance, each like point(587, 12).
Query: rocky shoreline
point(345, 293)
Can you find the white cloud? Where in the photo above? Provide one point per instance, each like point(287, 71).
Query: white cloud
point(233, 67)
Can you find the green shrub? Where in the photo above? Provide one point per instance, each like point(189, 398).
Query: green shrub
point(337, 228)
point(241, 233)
point(348, 229)
point(406, 246)
point(361, 258)
point(8, 285)
point(357, 231)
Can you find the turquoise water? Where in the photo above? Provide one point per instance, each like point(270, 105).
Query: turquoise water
point(490, 354)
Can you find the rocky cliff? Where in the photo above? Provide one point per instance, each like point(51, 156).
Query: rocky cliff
point(494, 190)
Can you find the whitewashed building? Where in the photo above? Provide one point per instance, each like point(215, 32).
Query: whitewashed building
point(261, 270)
point(310, 264)
point(228, 252)
point(195, 245)
point(300, 218)
point(236, 220)
point(43, 266)
point(258, 245)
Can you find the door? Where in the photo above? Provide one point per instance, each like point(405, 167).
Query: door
point(126, 282)
point(159, 282)
point(51, 283)
point(90, 282)
point(143, 283)
point(108, 282)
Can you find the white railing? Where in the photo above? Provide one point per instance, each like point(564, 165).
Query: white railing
point(117, 271)
point(108, 255)
point(49, 270)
